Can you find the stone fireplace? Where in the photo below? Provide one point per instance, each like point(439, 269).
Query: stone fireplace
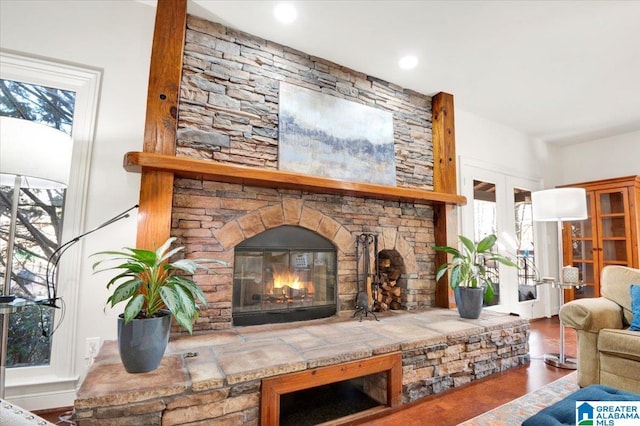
point(219, 220)
point(284, 274)
point(228, 114)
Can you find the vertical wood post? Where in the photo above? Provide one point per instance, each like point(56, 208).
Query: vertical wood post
point(156, 187)
point(444, 144)
point(444, 180)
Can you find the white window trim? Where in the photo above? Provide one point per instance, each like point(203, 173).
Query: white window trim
point(54, 385)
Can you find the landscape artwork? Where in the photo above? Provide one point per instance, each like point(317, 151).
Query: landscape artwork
point(322, 135)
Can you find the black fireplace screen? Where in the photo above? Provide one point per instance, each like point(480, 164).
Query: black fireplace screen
point(284, 274)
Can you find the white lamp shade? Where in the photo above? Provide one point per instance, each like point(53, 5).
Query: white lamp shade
point(39, 154)
point(559, 204)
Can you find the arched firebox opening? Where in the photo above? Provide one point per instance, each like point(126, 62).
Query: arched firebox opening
point(284, 274)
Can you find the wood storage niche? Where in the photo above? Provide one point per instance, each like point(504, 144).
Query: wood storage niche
point(391, 281)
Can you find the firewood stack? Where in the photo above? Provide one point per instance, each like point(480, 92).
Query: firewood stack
point(389, 294)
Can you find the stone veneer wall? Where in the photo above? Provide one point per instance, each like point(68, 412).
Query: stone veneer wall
point(212, 218)
point(225, 68)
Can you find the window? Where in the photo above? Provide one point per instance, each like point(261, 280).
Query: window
point(485, 222)
point(84, 84)
point(527, 274)
point(38, 225)
point(484, 209)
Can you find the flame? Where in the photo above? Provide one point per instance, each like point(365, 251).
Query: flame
point(287, 279)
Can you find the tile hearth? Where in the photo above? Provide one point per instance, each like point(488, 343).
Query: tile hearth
point(217, 375)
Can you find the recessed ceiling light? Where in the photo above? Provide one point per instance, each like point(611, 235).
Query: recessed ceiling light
point(285, 13)
point(408, 62)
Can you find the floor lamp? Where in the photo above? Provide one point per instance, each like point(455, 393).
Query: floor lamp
point(560, 205)
point(32, 155)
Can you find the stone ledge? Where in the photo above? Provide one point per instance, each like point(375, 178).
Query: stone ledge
point(111, 385)
point(222, 370)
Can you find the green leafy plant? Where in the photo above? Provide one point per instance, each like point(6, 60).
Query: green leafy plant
point(148, 283)
point(468, 264)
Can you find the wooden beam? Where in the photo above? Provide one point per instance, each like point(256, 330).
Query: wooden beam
point(156, 187)
point(445, 224)
point(213, 171)
point(444, 144)
point(444, 180)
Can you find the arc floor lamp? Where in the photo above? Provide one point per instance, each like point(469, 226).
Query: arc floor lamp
point(560, 205)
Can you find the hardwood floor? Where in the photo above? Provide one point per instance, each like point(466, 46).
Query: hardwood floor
point(460, 404)
point(60, 416)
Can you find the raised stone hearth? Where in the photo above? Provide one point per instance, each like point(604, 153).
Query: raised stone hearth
point(216, 377)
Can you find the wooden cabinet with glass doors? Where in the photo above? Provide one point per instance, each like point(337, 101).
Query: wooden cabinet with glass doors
point(610, 235)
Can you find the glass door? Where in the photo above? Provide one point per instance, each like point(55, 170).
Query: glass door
point(485, 223)
point(600, 240)
point(582, 250)
point(527, 297)
point(614, 248)
point(500, 204)
point(528, 274)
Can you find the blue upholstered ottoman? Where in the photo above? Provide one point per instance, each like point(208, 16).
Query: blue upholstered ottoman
point(564, 412)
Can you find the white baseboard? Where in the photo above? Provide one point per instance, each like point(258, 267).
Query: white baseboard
point(43, 396)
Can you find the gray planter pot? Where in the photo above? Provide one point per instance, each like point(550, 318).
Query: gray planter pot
point(469, 301)
point(142, 342)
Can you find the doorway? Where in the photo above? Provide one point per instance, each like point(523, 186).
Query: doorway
point(500, 204)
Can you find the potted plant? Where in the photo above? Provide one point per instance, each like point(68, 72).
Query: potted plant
point(147, 281)
point(470, 278)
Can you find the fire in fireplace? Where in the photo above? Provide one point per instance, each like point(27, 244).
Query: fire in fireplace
point(284, 274)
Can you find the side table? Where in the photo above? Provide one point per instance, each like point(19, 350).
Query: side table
point(560, 360)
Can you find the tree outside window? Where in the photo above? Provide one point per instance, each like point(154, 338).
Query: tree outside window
point(39, 225)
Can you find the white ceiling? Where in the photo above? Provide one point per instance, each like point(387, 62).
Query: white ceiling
point(560, 71)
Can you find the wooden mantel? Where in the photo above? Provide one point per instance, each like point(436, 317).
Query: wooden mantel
point(209, 170)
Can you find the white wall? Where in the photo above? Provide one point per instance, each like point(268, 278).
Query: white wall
point(114, 36)
point(599, 159)
point(492, 143)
